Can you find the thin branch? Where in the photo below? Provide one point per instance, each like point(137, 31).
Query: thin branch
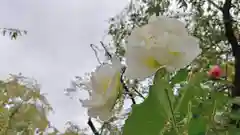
point(106, 50)
point(139, 94)
point(91, 125)
point(95, 52)
point(126, 88)
point(215, 5)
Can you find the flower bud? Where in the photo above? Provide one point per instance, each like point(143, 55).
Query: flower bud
point(215, 72)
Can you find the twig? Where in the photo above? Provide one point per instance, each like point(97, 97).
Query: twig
point(229, 33)
point(126, 88)
point(91, 125)
point(215, 5)
point(139, 94)
point(95, 52)
point(106, 50)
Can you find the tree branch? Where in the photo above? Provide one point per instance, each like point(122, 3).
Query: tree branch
point(95, 52)
point(139, 94)
point(126, 88)
point(215, 5)
point(229, 33)
point(94, 130)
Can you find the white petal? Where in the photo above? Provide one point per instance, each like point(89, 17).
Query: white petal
point(104, 71)
point(116, 63)
point(101, 78)
point(141, 74)
point(92, 112)
point(105, 115)
point(161, 55)
point(102, 113)
point(92, 103)
point(114, 86)
point(191, 51)
point(167, 24)
point(136, 37)
point(136, 68)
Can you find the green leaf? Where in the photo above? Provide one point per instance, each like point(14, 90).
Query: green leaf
point(149, 117)
point(188, 92)
point(197, 126)
point(180, 76)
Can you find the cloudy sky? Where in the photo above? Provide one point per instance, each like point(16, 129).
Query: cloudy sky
point(56, 47)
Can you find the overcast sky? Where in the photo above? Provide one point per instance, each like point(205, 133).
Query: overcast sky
point(57, 45)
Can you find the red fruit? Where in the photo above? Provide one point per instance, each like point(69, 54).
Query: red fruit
point(215, 72)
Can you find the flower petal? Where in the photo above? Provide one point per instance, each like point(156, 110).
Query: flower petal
point(102, 113)
point(166, 24)
point(137, 59)
point(116, 63)
point(105, 115)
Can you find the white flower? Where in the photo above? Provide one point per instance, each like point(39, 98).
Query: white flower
point(162, 43)
point(105, 87)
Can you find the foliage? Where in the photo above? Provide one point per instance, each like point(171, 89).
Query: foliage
point(13, 33)
point(24, 109)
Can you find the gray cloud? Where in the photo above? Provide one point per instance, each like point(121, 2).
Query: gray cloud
point(57, 45)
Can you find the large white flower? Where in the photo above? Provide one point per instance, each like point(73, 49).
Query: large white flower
point(162, 43)
point(105, 87)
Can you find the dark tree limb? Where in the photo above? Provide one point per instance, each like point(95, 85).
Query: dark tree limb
point(229, 33)
point(90, 124)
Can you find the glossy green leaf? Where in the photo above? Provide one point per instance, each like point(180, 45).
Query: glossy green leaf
point(180, 76)
point(149, 117)
point(188, 92)
point(197, 126)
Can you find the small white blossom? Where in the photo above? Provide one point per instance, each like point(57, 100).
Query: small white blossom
point(162, 43)
point(105, 87)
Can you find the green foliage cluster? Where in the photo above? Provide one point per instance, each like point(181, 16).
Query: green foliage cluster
point(24, 109)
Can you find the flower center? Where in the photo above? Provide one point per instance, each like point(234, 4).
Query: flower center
point(151, 62)
point(174, 53)
point(105, 84)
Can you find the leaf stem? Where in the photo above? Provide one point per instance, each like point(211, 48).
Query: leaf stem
point(174, 122)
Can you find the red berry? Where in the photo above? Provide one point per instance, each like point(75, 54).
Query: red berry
point(215, 72)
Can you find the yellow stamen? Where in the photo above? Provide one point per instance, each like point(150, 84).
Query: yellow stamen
point(175, 53)
point(152, 63)
point(105, 84)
